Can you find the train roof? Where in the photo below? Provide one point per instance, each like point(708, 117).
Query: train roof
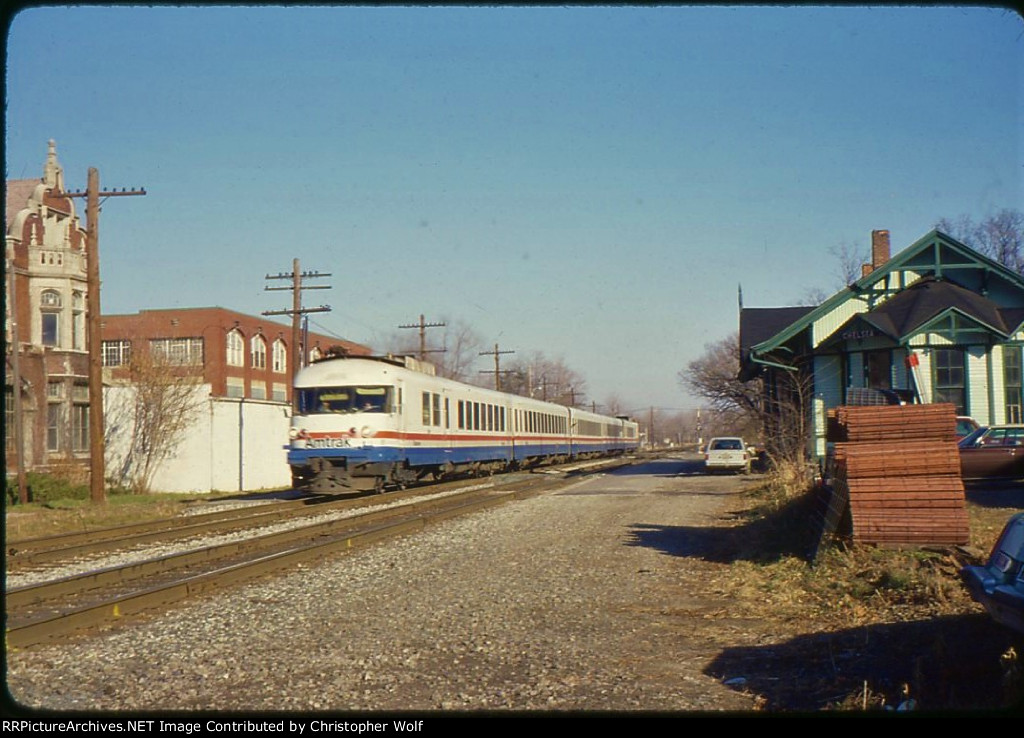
point(401, 360)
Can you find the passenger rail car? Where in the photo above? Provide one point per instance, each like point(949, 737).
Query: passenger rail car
point(378, 422)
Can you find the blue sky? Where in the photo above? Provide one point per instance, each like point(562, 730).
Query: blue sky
point(589, 182)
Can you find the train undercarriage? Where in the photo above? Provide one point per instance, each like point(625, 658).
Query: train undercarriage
point(343, 476)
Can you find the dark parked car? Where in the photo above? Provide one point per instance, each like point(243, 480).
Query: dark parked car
point(999, 584)
point(993, 452)
point(965, 426)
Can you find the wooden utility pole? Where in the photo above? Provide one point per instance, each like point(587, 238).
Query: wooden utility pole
point(298, 358)
point(497, 365)
point(92, 195)
point(423, 325)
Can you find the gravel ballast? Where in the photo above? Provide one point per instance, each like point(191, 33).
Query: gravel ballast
point(557, 602)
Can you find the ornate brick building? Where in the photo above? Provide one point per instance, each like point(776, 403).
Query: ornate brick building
point(45, 322)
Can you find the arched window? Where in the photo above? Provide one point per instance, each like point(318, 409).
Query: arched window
point(280, 357)
point(77, 321)
point(50, 305)
point(259, 352)
point(236, 348)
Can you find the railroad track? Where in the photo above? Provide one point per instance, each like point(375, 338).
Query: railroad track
point(44, 610)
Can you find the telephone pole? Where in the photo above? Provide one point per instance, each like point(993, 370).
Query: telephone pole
point(298, 358)
point(497, 365)
point(423, 325)
point(97, 447)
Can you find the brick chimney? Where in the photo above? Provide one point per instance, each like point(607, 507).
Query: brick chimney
point(879, 248)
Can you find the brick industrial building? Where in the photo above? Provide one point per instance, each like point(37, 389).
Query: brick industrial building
point(242, 356)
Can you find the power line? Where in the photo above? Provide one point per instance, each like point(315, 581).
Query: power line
point(298, 358)
point(497, 365)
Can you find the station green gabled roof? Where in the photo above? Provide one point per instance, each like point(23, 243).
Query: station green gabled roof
point(936, 254)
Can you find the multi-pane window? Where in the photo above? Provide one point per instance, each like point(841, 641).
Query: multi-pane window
point(948, 376)
point(259, 352)
point(280, 392)
point(236, 348)
point(1013, 357)
point(80, 427)
point(117, 353)
point(235, 387)
point(50, 305)
point(177, 351)
point(280, 357)
point(259, 390)
point(432, 408)
point(54, 426)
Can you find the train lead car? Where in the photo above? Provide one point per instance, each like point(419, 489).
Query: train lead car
point(374, 423)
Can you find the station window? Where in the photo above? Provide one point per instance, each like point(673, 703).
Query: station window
point(117, 352)
point(259, 352)
point(280, 357)
point(235, 348)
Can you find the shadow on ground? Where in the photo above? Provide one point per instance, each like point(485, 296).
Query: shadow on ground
point(959, 668)
point(762, 540)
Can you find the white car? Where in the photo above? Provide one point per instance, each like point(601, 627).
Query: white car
point(727, 454)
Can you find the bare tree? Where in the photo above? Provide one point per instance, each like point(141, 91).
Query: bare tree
point(999, 237)
point(613, 405)
point(775, 408)
point(149, 411)
point(850, 259)
point(713, 378)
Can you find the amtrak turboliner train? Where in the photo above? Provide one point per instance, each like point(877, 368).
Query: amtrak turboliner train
point(365, 423)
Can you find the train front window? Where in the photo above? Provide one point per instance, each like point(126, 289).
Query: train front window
point(334, 400)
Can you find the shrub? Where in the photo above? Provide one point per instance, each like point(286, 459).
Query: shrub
point(48, 488)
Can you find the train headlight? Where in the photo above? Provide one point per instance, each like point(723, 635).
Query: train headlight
point(293, 433)
point(366, 432)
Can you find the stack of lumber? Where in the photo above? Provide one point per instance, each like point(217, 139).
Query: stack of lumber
point(899, 468)
point(895, 422)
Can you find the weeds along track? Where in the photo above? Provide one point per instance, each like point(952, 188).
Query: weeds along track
point(268, 539)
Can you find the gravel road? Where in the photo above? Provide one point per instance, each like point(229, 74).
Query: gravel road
point(571, 601)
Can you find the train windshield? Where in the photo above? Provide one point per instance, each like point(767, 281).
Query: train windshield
point(324, 400)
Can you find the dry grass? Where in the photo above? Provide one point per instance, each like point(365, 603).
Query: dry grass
point(71, 516)
point(923, 624)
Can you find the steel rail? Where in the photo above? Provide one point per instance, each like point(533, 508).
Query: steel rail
point(24, 630)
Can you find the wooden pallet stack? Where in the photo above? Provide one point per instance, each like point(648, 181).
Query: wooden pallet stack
point(899, 468)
